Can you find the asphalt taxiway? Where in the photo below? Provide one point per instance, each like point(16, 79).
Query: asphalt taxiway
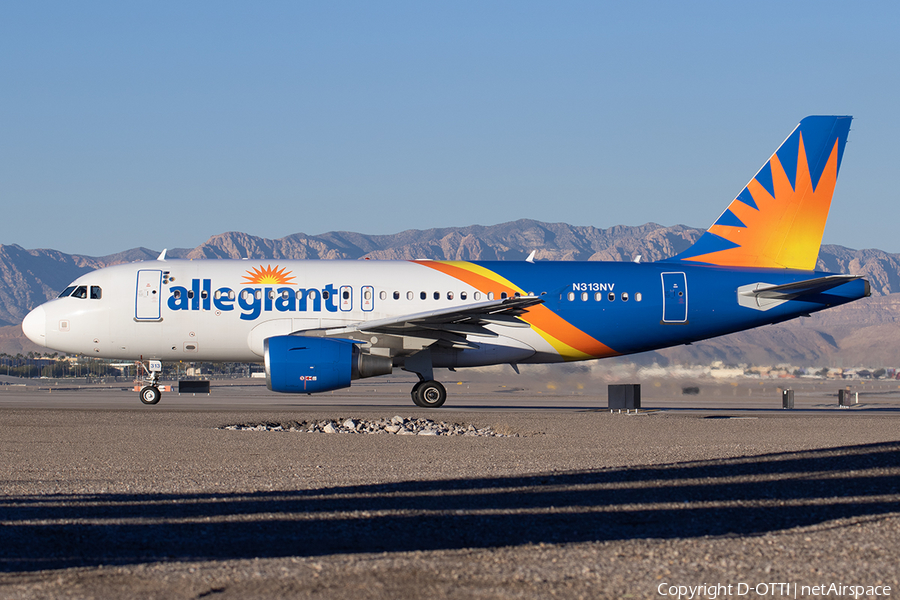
point(104, 497)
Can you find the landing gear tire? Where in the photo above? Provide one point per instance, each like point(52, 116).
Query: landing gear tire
point(414, 393)
point(429, 394)
point(150, 395)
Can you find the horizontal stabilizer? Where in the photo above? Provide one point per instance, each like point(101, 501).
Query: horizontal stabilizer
point(765, 296)
point(800, 288)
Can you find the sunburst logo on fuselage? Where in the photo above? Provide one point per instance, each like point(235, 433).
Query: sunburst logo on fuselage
point(268, 275)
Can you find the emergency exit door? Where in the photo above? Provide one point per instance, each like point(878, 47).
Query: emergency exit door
point(675, 298)
point(346, 293)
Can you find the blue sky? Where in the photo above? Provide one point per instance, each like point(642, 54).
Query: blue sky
point(159, 124)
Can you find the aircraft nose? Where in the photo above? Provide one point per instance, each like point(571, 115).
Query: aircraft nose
point(35, 326)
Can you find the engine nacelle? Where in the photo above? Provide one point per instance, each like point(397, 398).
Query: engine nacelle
point(305, 365)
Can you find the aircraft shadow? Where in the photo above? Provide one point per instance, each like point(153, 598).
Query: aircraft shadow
point(728, 497)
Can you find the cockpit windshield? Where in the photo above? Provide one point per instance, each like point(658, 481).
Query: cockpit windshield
point(81, 291)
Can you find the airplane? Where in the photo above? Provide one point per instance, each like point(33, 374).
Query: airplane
point(318, 325)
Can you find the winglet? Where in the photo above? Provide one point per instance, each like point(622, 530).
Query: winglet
point(777, 221)
point(162, 255)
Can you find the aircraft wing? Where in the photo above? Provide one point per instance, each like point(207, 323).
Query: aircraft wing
point(450, 325)
point(789, 291)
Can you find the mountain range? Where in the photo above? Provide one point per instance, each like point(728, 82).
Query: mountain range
point(865, 333)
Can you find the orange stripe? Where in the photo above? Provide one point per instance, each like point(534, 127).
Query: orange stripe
point(566, 339)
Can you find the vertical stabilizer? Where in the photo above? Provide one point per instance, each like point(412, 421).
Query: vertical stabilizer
point(777, 221)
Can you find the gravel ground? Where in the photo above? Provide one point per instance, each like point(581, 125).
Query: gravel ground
point(164, 503)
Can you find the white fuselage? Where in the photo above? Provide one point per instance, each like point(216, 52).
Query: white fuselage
point(223, 310)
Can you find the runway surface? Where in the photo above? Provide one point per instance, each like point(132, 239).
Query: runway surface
point(103, 497)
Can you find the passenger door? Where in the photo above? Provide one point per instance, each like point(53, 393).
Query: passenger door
point(146, 303)
point(675, 299)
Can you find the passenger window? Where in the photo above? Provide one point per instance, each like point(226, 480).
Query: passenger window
point(571, 296)
point(326, 294)
point(190, 293)
point(409, 295)
point(437, 295)
point(423, 295)
point(449, 295)
point(204, 294)
point(598, 296)
point(80, 292)
point(396, 295)
point(490, 296)
point(66, 292)
point(462, 295)
point(478, 295)
point(176, 294)
point(611, 297)
point(638, 297)
point(584, 296)
point(503, 295)
point(624, 296)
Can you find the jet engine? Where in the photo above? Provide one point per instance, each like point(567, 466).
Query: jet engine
point(305, 365)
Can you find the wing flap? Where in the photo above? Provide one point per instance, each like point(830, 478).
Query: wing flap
point(448, 327)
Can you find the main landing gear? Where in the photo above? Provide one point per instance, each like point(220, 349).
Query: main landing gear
point(429, 394)
point(148, 386)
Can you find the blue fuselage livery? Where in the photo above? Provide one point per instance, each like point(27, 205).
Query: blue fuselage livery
point(318, 325)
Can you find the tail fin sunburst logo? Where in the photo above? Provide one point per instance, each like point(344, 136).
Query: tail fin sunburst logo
point(777, 221)
point(268, 275)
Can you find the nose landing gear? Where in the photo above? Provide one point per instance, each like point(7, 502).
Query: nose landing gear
point(148, 387)
point(150, 394)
